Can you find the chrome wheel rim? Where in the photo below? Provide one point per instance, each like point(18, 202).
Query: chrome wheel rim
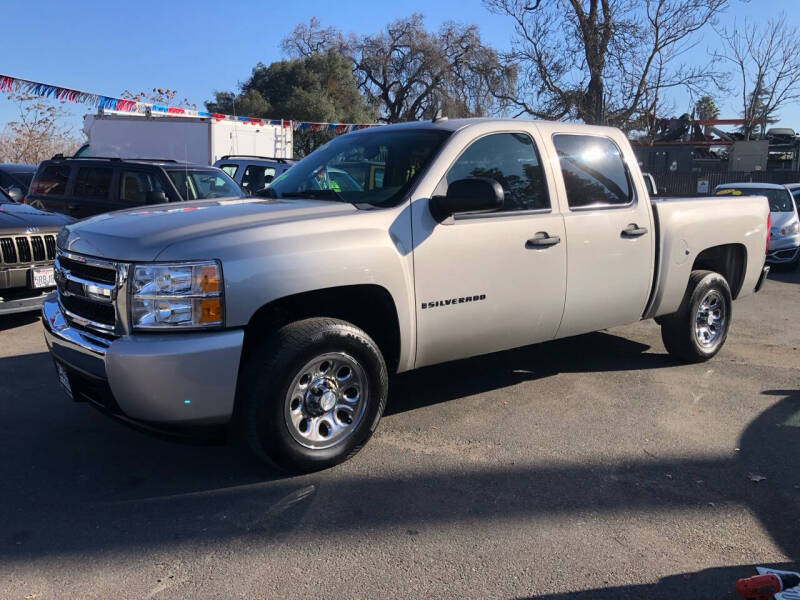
point(326, 400)
point(710, 320)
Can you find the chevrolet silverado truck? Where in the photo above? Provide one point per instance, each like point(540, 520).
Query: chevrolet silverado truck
point(282, 316)
point(27, 250)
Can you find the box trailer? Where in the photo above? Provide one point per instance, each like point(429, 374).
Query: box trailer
point(200, 140)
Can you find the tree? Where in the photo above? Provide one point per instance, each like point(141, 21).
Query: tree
point(318, 88)
point(601, 60)
point(410, 73)
point(705, 109)
point(38, 133)
point(767, 66)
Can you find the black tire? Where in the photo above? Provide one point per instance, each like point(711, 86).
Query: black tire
point(678, 330)
point(275, 366)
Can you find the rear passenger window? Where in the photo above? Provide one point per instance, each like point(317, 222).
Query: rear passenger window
point(93, 182)
point(230, 169)
point(510, 159)
point(594, 172)
point(135, 185)
point(257, 177)
point(51, 181)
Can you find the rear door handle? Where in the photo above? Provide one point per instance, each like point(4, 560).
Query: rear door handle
point(633, 230)
point(542, 240)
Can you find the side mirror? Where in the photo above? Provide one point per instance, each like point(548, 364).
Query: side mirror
point(15, 193)
point(476, 194)
point(156, 198)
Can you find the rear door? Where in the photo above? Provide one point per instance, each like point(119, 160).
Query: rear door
point(608, 222)
point(93, 192)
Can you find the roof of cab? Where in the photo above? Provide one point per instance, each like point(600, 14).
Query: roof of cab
point(446, 124)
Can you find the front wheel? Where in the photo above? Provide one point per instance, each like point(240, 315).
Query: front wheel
point(698, 330)
point(312, 394)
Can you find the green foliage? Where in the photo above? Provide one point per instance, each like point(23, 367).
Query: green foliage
point(706, 109)
point(317, 88)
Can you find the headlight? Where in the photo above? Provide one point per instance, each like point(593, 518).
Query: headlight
point(176, 295)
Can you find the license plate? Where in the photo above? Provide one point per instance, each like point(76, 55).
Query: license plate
point(63, 379)
point(43, 277)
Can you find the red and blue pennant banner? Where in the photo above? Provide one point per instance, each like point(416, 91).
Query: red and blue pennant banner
point(24, 86)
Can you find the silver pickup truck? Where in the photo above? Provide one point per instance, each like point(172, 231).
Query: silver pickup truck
point(385, 250)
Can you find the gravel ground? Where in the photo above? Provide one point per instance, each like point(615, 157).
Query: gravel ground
point(588, 468)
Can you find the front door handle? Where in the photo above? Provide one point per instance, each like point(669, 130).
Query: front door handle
point(542, 240)
point(633, 230)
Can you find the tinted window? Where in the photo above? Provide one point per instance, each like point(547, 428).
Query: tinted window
point(256, 177)
point(135, 185)
point(51, 181)
point(779, 200)
point(24, 177)
point(511, 160)
point(230, 169)
point(93, 182)
point(593, 169)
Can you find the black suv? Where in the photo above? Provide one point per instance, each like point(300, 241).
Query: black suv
point(81, 187)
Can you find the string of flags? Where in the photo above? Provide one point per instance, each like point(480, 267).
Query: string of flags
point(10, 84)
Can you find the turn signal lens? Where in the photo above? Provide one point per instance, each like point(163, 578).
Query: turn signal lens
point(210, 311)
point(207, 278)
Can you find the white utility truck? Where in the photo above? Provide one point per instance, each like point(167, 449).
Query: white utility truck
point(198, 140)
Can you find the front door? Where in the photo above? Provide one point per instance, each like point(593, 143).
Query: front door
point(487, 282)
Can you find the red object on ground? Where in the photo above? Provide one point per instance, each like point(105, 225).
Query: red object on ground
point(764, 587)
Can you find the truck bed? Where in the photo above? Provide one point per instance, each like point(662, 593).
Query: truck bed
point(688, 226)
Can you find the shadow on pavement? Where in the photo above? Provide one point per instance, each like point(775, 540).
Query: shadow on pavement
point(709, 584)
point(17, 320)
point(784, 274)
point(591, 353)
point(75, 483)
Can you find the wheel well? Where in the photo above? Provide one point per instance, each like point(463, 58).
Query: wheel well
point(728, 260)
point(369, 307)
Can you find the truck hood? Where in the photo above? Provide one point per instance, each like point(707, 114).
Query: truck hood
point(141, 234)
point(19, 218)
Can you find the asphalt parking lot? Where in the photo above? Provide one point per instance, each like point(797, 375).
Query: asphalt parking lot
point(589, 468)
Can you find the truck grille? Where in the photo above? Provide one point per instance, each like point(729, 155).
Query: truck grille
point(87, 290)
point(23, 249)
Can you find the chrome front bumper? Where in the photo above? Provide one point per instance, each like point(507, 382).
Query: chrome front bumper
point(173, 378)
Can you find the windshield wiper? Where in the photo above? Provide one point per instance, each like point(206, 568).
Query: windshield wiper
point(328, 194)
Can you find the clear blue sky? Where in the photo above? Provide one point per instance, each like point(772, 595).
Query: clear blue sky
point(197, 47)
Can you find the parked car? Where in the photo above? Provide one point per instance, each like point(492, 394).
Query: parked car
point(784, 245)
point(795, 189)
point(81, 187)
point(253, 173)
point(27, 250)
point(291, 312)
point(15, 179)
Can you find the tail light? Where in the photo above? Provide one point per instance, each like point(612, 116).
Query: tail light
point(769, 231)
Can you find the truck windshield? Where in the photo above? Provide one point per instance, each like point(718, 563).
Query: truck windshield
point(779, 200)
point(375, 168)
point(195, 184)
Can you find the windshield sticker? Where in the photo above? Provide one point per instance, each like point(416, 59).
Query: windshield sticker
point(729, 192)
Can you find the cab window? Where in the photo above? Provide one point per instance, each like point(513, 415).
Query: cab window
point(594, 171)
point(510, 159)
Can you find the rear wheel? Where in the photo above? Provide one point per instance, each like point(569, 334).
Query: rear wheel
point(699, 328)
point(312, 394)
